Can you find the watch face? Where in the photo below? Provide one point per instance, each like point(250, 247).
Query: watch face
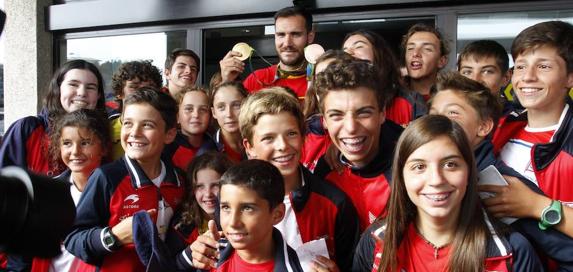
point(552, 217)
point(108, 240)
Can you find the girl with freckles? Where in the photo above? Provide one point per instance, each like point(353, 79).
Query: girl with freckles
point(435, 220)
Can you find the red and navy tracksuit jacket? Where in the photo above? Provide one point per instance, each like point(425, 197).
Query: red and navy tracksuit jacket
point(223, 148)
point(368, 187)
point(180, 153)
point(316, 142)
point(324, 211)
point(285, 258)
point(551, 162)
point(114, 192)
point(406, 107)
point(504, 253)
point(25, 144)
point(269, 77)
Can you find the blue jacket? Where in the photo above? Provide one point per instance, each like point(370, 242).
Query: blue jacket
point(116, 191)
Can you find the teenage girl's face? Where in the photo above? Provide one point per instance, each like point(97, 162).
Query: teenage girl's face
point(194, 113)
point(81, 149)
point(436, 178)
point(226, 108)
point(79, 90)
point(359, 47)
point(207, 189)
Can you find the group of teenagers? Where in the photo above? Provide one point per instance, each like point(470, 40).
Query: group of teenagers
point(381, 169)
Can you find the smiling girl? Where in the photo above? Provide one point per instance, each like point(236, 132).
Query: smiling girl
point(81, 141)
point(435, 220)
point(78, 84)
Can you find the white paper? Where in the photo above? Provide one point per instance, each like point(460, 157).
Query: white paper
point(490, 176)
point(308, 252)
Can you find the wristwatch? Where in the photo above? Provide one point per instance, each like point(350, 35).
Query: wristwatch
point(551, 215)
point(109, 240)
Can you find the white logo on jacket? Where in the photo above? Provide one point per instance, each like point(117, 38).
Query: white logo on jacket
point(133, 197)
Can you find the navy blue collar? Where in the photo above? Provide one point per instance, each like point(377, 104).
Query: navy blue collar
point(139, 179)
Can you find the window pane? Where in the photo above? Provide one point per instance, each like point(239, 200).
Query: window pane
point(108, 53)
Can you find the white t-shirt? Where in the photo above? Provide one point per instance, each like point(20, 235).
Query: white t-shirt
point(516, 153)
point(66, 262)
point(288, 226)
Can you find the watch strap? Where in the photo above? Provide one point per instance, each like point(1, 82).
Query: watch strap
point(555, 206)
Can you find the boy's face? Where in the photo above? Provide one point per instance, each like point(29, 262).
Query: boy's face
point(454, 106)
point(353, 120)
point(484, 70)
point(130, 86)
point(423, 56)
point(194, 113)
point(143, 133)
point(246, 218)
point(278, 140)
point(540, 79)
point(183, 73)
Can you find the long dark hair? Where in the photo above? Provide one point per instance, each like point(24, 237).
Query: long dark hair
point(52, 101)
point(469, 245)
point(385, 60)
point(191, 213)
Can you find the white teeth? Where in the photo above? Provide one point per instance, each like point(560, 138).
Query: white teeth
point(283, 158)
point(353, 144)
point(136, 144)
point(529, 90)
point(438, 197)
point(356, 140)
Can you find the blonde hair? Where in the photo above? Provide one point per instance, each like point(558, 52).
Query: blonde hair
point(272, 100)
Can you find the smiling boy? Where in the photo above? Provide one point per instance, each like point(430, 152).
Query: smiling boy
point(352, 105)
point(272, 126)
point(537, 143)
point(181, 70)
point(140, 180)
